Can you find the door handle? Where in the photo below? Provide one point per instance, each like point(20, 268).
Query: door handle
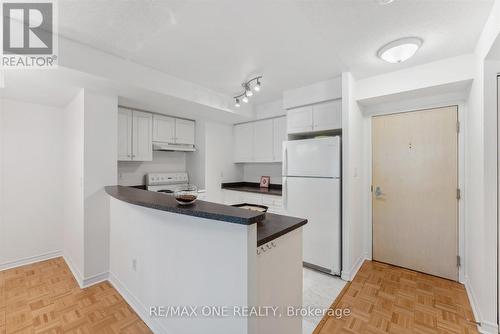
point(378, 192)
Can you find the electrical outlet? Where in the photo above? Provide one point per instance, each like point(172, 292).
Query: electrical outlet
point(134, 265)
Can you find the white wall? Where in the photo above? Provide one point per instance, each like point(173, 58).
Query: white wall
point(269, 109)
point(73, 184)
point(131, 173)
point(195, 161)
point(434, 74)
point(100, 170)
point(481, 234)
point(253, 172)
point(354, 167)
point(31, 185)
point(219, 159)
point(2, 229)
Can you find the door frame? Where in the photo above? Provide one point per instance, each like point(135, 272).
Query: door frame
point(461, 172)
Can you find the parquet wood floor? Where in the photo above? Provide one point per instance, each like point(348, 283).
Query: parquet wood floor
point(387, 299)
point(45, 298)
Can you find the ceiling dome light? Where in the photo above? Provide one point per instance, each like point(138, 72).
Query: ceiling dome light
point(237, 104)
point(245, 99)
point(385, 2)
point(400, 50)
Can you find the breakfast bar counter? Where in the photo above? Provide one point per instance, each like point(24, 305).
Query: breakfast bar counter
point(269, 226)
point(163, 254)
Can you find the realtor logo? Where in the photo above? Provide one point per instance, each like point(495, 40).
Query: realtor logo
point(29, 38)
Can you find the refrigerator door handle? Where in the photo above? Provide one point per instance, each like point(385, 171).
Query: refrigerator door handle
point(285, 193)
point(285, 159)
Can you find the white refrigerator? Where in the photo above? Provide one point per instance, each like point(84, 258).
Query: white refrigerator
point(312, 190)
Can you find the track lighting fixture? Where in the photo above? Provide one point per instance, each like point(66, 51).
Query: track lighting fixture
point(249, 86)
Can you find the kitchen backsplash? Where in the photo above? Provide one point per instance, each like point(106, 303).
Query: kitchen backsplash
point(131, 173)
point(253, 172)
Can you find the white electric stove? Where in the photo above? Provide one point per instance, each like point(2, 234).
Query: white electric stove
point(166, 183)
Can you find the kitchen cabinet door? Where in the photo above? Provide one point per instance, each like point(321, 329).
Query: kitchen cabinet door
point(263, 141)
point(184, 131)
point(124, 134)
point(243, 142)
point(163, 129)
point(299, 120)
point(327, 116)
point(279, 136)
point(142, 136)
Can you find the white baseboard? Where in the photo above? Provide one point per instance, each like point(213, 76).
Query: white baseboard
point(76, 272)
point(348, 275)
point(485, 327)
point(30, 260)
point(136, 305)
point(99, 278)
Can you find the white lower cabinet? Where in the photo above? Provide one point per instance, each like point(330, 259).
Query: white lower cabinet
point(135, 135)
point(273, 202)
point(283, 288)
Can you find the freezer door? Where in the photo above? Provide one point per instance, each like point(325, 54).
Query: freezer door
point(318, 200)
point(312, 157)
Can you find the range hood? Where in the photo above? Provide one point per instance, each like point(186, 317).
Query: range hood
point(158, 146)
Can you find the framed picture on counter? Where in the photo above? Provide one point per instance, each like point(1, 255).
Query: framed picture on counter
point(264, 181)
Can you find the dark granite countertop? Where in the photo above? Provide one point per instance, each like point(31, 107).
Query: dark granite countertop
point(274, 226)
point(202, 209)
point(251, 187)
point(269, 226)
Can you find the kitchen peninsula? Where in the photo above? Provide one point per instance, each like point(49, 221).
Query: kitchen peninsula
point(163, 254)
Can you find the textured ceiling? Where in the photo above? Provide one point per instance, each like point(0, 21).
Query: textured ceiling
point(219, 43)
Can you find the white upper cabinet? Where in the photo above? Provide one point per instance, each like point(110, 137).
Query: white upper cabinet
point(327, 116)
point(319, 117)
point(279, 136)
point(260, 141)
point(134, 135)
point(184, 131)
point(173, 130)
point(299, 120)
point(124, 134)
point(163, 129)
point(263, 141)
point(243, 142)
point(142, 136)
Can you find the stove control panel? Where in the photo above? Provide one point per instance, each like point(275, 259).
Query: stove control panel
point(166, 178)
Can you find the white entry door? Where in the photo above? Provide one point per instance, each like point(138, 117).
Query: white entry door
point(415, 181)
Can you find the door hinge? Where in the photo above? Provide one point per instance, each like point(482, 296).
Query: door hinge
point(458, 127)
point(459, 262)
point(371, 188)
point(459, 194)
